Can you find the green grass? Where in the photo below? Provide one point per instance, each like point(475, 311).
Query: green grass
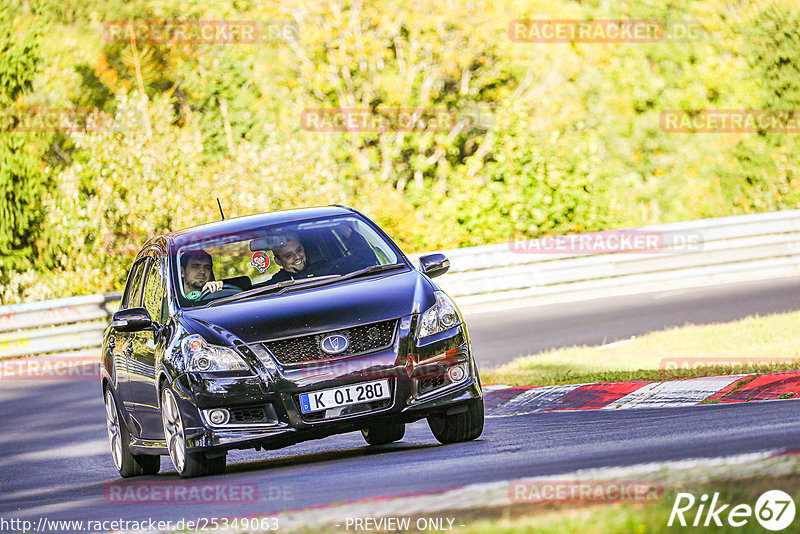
point(619, 518)
point(635, 518)
point(769, 343)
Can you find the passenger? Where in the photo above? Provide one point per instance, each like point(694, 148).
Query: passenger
point(197, 272)
point(291, 256)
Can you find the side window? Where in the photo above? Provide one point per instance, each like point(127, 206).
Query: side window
point(154, 295)
point(133, 288)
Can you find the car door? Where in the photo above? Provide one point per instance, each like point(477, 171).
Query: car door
point(146, 344)
point(122, 342)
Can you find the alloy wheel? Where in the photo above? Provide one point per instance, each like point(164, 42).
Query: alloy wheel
point(112, 425)
point(173, 430)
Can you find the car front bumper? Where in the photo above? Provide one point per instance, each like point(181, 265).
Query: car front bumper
point(281, 435)
point(414, 371)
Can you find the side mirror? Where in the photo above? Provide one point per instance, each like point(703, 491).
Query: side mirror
point(131, 320)
point(434, 264)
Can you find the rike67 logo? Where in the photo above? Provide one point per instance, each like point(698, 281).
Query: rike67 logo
point(774, 510)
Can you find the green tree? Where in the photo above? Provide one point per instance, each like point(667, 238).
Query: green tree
point(23, 184)
point(775, 54)
point(221, 96)
point(766, 175)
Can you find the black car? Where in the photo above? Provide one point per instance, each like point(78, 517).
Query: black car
point(268, 330)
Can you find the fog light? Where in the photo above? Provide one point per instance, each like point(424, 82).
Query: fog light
point(219, 416)
point(457, 373)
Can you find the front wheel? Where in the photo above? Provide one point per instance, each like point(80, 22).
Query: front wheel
point(383, 434)
point(187, 464)
point(127, 463)
point(465, 425)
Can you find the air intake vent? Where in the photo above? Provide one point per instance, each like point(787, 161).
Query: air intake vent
point(248, 415)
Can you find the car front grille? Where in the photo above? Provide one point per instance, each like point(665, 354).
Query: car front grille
point(305, 349)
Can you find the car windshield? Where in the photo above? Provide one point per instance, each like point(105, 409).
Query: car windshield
point(273, 258)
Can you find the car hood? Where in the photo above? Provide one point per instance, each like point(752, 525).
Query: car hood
point(315, 310)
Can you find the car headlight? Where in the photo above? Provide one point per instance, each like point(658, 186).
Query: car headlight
point(440, 317)
point(200, 356)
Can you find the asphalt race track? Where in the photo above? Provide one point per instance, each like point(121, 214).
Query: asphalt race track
point(55, 463)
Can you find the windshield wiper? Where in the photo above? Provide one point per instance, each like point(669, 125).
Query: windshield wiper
point(305, 283)
point(266, 289)
point(373, 269)
point(339, 278)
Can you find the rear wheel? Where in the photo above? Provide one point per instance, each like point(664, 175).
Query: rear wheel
point(383, 434)
point(464, 425)
point(187, 464)
point(127, 463)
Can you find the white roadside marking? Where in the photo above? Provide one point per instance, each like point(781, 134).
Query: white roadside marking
point(616, 344)
point(533, 400)
point(674, 393)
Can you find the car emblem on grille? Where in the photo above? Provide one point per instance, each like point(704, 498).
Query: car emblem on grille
point(334, 344)
point(373, 334)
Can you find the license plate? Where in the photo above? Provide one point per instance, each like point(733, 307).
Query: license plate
point(344, 396)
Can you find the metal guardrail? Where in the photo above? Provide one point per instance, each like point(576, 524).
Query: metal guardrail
point(766, 243)
point(72, 325)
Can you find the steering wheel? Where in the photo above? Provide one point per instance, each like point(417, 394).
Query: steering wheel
point(226, 291)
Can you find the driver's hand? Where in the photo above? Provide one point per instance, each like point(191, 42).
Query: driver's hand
point(214, 285)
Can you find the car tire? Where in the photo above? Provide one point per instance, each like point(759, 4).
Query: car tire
point(119, 439)
point(383, 434)
point(187, 464)
point(216, 465)
point(462, 426)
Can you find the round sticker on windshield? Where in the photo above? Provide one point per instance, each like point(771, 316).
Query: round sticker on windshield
point(194, 295)
point(260, 261)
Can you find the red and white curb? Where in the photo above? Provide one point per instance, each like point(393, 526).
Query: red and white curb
point(505, 400)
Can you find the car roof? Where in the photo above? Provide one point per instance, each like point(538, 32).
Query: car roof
point(247, 222)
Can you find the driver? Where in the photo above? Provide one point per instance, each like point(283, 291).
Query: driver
point(291, 256)
point(197, 273)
